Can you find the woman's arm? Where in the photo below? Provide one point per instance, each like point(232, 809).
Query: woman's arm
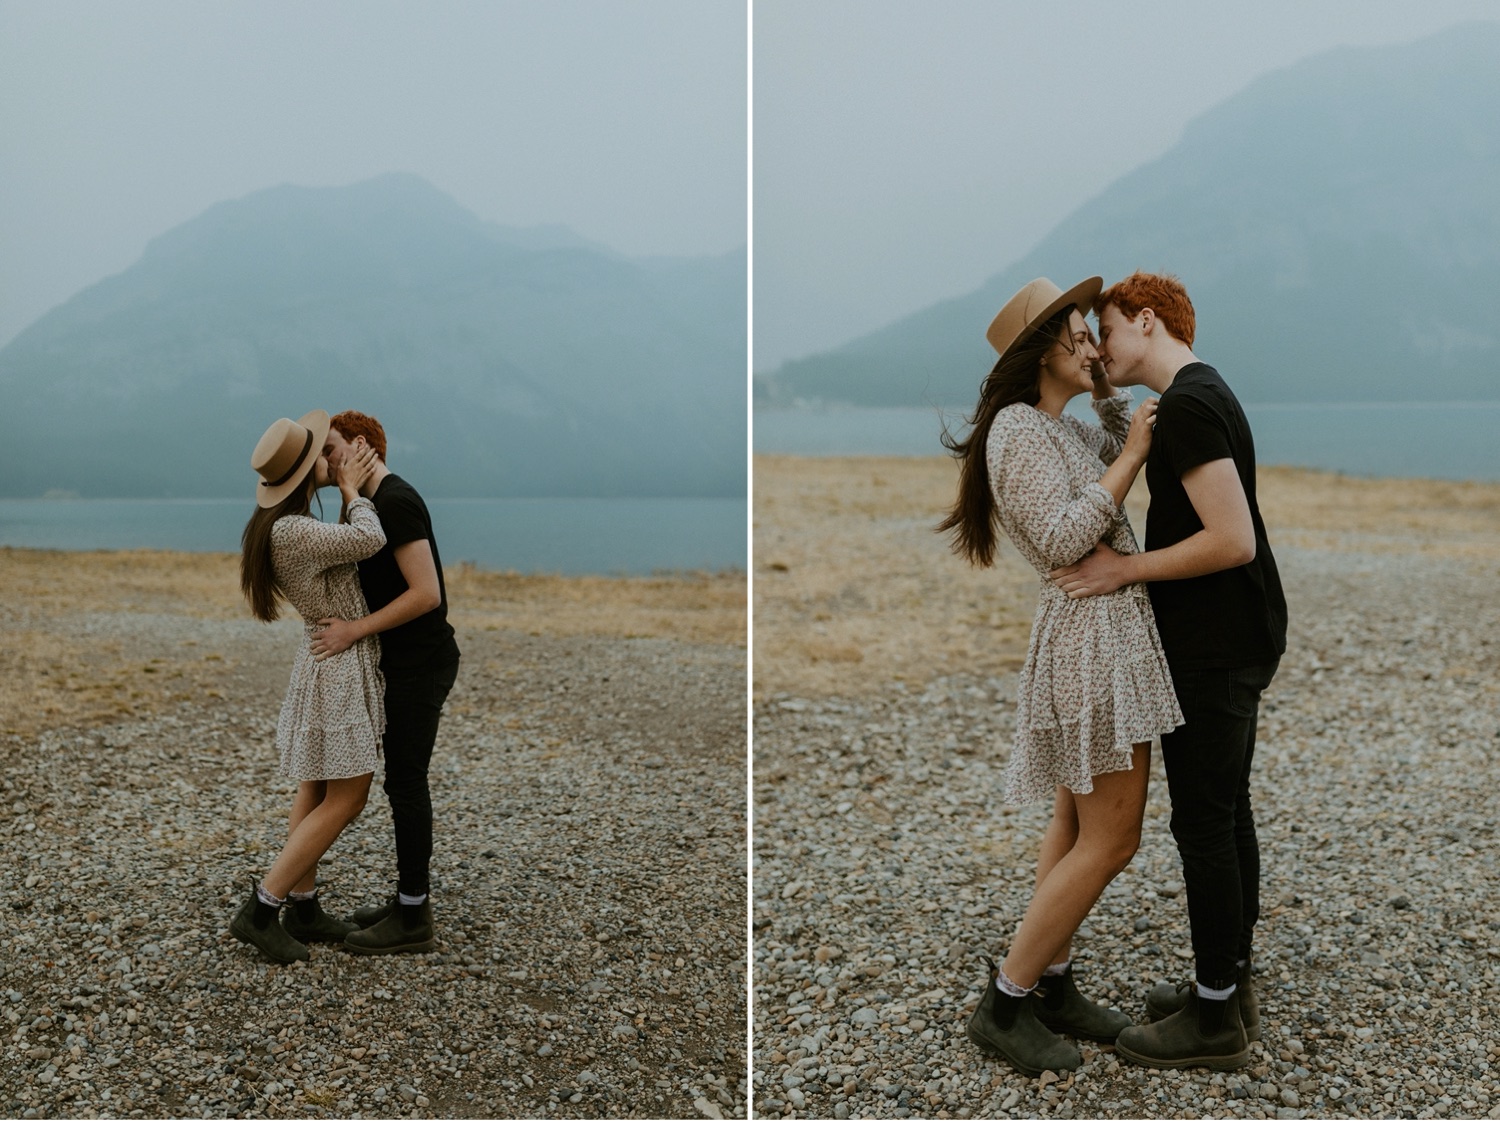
point(1227, 540)
point(1120, 476)
point(1114, 424)
point(1036, 501)
point(333, 544)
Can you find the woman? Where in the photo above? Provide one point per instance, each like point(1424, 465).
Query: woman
point(333, 715)
point(1095, 688)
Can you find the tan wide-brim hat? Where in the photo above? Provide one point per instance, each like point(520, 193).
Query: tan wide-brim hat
point(286, 453)
point(1033, 305)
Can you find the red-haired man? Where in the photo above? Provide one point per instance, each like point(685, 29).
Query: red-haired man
point(403, 586)
point(1222, 618)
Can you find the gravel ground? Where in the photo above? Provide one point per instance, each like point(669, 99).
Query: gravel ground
point(885, 865)
point(589, 888)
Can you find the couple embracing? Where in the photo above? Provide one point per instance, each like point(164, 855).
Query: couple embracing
point(1178, 641)
point(374, 666)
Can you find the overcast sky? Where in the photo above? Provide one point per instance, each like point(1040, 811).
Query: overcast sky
point(905, 152)
point(624, 119)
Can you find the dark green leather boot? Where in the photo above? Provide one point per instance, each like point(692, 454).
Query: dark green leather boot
point(372, 913)
point(1166, 998)
point(1062, 1008)
point(306, 921)
point(1187, 1039)
point(255, 924)
point(1007, 1026)
point(405, 930)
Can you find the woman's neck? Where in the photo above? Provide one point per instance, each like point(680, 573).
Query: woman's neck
point(1053, 404)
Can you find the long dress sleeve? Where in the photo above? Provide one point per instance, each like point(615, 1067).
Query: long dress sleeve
point(1114, 424)
point(1035, 498)
point(1107, 438)
point(329, 544)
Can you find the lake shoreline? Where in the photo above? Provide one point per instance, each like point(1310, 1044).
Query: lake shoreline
point(624, 536)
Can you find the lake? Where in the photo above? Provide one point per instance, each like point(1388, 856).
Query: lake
point(573, 536)
point(1435, 440)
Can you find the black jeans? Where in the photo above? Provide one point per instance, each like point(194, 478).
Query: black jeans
point(1208, 774)
point(413, 706)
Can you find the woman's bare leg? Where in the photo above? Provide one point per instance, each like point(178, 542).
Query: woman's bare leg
point(1109, 832)
point(309, 795)
point(1061, 835)
point(342, 800)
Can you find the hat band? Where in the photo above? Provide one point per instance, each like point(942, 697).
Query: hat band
point(301, 458)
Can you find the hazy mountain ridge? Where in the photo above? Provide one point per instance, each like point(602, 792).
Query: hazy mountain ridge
point(1334, 223)
point(502, 361)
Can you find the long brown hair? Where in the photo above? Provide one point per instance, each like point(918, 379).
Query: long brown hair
point(1014, 380)
point(257, 575)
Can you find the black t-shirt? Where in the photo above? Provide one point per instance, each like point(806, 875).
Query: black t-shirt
point(427, 639)
point(1236, 617)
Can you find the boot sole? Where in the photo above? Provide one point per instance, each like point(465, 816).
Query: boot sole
point(1212, 1062)
point(249, 941)
point(405, 948)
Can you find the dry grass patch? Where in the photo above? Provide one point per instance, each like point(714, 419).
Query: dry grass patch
point(1313, 508)
point(707, 608)
point(51, 678)
point(853, 590)
point(200, 585)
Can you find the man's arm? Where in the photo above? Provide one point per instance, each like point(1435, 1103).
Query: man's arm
point(1227, 540)
point(423, 593)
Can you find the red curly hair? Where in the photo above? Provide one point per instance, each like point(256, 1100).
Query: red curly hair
point(1163, 294)
point(351, 424)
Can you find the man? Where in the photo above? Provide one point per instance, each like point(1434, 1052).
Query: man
point(1222, 618)
point(403, 586)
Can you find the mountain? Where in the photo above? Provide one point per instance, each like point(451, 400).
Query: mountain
point(501, 361)
point(1335, 224)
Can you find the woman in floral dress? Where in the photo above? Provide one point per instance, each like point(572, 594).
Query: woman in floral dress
point(1095, 688)
point(333, 715)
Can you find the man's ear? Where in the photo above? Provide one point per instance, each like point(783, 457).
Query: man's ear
point(1148, 320)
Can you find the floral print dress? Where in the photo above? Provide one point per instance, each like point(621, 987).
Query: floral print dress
point(333, 715)
point(1095, 680)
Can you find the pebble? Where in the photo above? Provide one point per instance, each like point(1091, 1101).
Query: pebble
point(1380, 885)
point(127, 996)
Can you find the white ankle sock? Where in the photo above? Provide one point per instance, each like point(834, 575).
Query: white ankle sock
point(411, 900)
point(1009, 987)
point(267, 898)
point(1216, 994)
point(1057, 969)
point(303, 896)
